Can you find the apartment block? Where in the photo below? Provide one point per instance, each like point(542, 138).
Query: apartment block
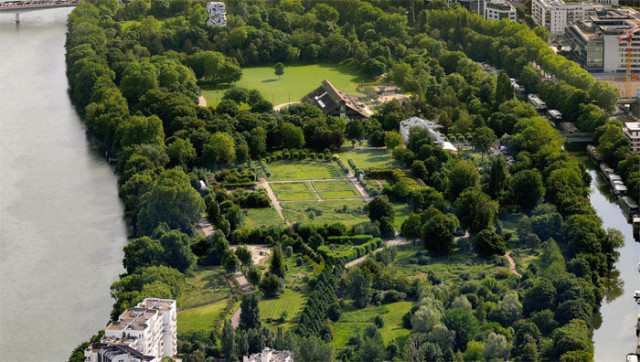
point(632, 131)
point(149, 329)
point(556, 15)
point(498, 10)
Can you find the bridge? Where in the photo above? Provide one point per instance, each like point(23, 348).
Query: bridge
point(22, 6)
point(578, 137)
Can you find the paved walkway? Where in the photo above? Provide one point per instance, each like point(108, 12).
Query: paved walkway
point(357, 184)
point(205, 226)
point(282, 105)
point(398, 240)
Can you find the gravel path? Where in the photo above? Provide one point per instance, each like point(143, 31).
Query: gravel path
point(202, 101)
point(282, 105)
point(274, 200)
point(512, 264)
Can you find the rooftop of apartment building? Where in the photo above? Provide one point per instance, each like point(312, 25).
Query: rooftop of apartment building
point(632, 126)
point(134, 319)
point(499, 4)
point(157, 304)
point(606, 22)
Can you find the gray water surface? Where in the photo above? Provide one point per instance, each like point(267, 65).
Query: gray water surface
point(61, 226)
point(616, 336)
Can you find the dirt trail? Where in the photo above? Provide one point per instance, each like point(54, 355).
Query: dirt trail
point(202, 101)
point(512, 264)
point(274, 200)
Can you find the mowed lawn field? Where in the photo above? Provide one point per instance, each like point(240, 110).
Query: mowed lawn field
point(284, 170)
point(200, 318)
point(348, 212)
point(262, 217)
point(366, 158)
point(296, 82)
point(207, 285)
point(354, 322)
point(290, 301)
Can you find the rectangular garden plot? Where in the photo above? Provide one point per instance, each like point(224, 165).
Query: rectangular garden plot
point(303, 170)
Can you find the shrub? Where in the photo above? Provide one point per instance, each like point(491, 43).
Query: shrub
point(378, 321)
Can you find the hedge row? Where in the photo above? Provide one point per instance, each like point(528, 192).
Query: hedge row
point(355, 239)
point(353, 253)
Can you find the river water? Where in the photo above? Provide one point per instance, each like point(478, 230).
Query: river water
point(616, 335)
point(61, 226)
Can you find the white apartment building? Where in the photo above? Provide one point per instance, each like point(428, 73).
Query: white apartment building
point(556, 15)
point(498, 10)
point(632, 131)
point(150, 329)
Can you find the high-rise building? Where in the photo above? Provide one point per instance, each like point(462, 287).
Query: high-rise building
point(632, 131)
point(146, 332)
point(217, 13)
point(595, 45)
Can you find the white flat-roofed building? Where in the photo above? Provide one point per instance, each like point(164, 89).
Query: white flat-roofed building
point(438, 138)
point(498, 10)
point(556, 15)
point(632, 131)
point(150, 328)
point(595, 44)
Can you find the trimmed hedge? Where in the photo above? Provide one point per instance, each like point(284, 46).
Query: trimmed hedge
point(353, 253)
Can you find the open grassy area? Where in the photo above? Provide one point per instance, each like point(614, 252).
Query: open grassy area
point(368, 158)
point(348, 212)
point(453, 269)
point(291, 187)
point(333, 186)
point(354, 322)
point(348, 194)
point(285, 170)
point(290, 301)
point(402, 213)
point(293, 196)
point(206, 286)
point(200, 318)
point(296, 82)
point(255, 218)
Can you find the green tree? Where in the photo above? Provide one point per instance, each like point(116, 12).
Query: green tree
point(463, 323)
point(379, 208)
point(279, 69)
point(138, 79)
point(292, 136)
point(483, 139)
point(393, 139)
point(173, 201)
point(244, 254)
point(527, 189)
point(354, 131)
point(463, 175)
point(271, 285)
point(138, 130)
point(475, 210)
point(177, 251)
point(504, 88)
point(359, 287)
point(412, 227)
point(221, 149)
point(249, 312)
point(437, 234)
point(277, 266)
point(181, 152)
point(496, 347)
point(227, 340)
point(488, 243)
point(141, 253)
point(498, 178)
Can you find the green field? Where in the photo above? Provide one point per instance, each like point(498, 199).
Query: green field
point(206, 286)
point(333, 186)
point(301, 212)
point(200, 318)
point(303, 170)
point(291, 187)
point(354, 322)
point(368, 158)
point(256, 218)
point(290, 301)
point(348, 194)
point(295, 196)
point(296, 82)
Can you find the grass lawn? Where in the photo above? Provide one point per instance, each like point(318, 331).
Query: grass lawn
point(353, 322)
point(348, 194)
point(296, 82)
point(285, 170)
point(325, 212)
point(200, 318)
point(403, 211)
point(333, 185)
point(290, 301)
point(293, 196)
point(206, 286)
point(510, 222)
point(255, 218)
point(291, 187)
point(368, 158)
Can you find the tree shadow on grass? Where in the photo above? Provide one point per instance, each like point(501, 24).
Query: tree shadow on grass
point(269, 80)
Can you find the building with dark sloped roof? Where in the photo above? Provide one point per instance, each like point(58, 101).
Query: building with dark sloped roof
point(333, 102)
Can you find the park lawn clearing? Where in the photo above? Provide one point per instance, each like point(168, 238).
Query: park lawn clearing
point(290, 301)
point(348, 212)
point(403, 211)
point(294, 196)
point(369, 158)
point(333, 185)
point(284, 170)
point(208, 285)
point(296, 82)
point(261, 217)
point(354, 322)
point(349, 194)
point(291, 187)
point(202, 318)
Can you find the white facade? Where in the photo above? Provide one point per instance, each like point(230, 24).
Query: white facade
point(150, 328)
point(217, 14)
point(498, 10)
point(632, 131)
point(556, 15)
point(432, 127)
